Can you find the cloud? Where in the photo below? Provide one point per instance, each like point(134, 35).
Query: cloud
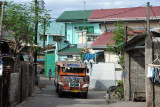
point(59, 6)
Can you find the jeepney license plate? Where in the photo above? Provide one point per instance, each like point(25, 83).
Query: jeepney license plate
point(74, 84)
point(73, 90)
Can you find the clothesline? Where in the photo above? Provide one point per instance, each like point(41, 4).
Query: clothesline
point(153, 65)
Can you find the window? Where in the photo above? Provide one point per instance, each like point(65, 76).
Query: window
point(69, 56)
point(90, 29)
point(73, 70)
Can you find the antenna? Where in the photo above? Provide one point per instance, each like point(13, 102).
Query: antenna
point(84, 11)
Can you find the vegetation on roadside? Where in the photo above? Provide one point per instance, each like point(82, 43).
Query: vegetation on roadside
point(19, 22)
point(120, 90)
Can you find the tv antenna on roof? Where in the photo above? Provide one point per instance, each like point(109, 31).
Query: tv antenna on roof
point(84, 11)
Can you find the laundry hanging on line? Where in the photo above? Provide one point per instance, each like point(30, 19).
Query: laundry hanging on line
point(154, 73)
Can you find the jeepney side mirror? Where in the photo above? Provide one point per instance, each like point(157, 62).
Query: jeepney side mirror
point(87, 70)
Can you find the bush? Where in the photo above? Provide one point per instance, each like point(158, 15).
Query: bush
point(120, 91)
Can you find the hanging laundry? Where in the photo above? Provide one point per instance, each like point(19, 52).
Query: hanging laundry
point(150, 72)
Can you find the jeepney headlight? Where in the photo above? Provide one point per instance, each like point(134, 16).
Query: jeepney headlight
point(85, 85)
point(61, 83)
point(81, 80)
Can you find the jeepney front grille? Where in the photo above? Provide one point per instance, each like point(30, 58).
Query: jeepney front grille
point(74, 81)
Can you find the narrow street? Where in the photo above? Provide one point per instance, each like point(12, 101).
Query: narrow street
point(47, 97)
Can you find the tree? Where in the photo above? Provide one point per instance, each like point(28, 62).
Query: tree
point(118, 38)
point(118, 49)
point(19, 20)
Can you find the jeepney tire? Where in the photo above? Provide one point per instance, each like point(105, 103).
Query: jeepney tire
point(57, 88)
point(85, 95)
point(59, 91)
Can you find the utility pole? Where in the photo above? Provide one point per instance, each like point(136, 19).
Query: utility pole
point(1, 24)
point(148, 18)
point(125, 33)
point(1, 72)
point(84, 12)
point(44, 35)
point(148, 60)
point(36, 30)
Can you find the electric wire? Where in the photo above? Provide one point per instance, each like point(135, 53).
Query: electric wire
point(122, 12)
point(157, 42)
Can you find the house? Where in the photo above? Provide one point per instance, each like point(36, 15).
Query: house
point(71, 52)
point(76, 23)
point(101, 44)
point(141, 52)
point(54, 41)
point(135, 17)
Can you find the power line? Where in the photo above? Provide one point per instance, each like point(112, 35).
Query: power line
point(121, 12)
point(153, 13)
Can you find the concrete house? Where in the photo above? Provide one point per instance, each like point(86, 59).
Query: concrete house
point(135, 18)
point(54, 31)
point(75, 24)
point(141, 53)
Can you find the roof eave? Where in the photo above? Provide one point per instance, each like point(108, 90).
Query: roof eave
point(124, 19)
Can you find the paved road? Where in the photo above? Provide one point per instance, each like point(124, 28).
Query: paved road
point(47, 97)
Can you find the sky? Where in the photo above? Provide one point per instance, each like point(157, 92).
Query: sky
point(57, 7)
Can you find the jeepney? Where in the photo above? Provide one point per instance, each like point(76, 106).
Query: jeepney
point(70, 77)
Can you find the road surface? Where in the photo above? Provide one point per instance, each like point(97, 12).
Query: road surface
point(47, 97)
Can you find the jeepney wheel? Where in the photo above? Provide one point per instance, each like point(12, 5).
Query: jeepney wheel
point(57, 88)
point(85, 95)
point(59, 91)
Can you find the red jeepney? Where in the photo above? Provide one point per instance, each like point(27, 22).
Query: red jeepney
point(70, 76)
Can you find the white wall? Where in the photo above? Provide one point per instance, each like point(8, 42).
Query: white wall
point(103, 75)
point(110, 57)
point(137, 26)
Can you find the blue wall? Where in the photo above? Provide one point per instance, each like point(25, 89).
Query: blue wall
point(73, 37)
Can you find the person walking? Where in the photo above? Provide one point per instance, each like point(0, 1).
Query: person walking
point(50, 74)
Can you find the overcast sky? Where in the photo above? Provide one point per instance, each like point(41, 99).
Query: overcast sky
point(59, 6)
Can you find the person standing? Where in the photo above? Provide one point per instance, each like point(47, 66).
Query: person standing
point(50, 74)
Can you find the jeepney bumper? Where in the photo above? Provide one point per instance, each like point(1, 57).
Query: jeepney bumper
point(74, 89)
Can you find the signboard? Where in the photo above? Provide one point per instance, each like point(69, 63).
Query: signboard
point(73, 65)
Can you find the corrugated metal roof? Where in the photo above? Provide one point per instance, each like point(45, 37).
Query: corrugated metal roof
point(73, 16)
point(124, 13)
point(70, 50)
point(103, 40)
point(106, 38)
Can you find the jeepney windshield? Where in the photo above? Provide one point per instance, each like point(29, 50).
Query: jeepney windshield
point(72, 70)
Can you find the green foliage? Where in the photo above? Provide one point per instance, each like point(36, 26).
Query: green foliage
point(118, 39)
point(118, 33)
point(19, 21)
point(120, 91)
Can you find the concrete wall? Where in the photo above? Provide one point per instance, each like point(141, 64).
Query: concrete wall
point(136, 26)
point(21, 84)
point(157, 84)
point(14, 89)
point(110, 57)
point(55, 28)
point(134, 73)
point(73, 37)
point(103, 75)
